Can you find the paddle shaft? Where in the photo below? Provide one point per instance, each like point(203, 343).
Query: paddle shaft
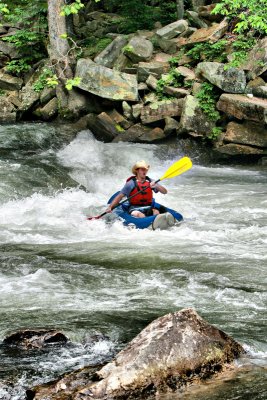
point(120, 203)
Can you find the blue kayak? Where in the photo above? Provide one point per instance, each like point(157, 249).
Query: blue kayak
point(161, 221)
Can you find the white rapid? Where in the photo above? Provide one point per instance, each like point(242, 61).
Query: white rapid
point(59, 269)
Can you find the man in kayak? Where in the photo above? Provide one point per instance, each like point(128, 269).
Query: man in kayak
point(142, 187)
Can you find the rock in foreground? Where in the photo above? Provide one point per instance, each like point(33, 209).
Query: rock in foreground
point(168, 353)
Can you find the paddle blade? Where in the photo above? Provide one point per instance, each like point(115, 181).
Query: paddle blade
point(178, 168)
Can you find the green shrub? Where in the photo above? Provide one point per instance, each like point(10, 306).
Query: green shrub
point(245, 15)
point(208, 96)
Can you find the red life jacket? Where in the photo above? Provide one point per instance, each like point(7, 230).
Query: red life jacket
point(145, 197)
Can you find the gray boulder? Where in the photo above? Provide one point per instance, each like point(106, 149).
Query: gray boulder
point(248, 133)
point(231, 80)
point(172, 30)
point(7, 111)
point(110, 54)
point(105, 82)
point(138, 49)
point(48, 111)
point(34, 338)
point(159, 110)
point(193, 120)
point(171, 351)
point(243, 107)
point(155, 68)
point(9, 82)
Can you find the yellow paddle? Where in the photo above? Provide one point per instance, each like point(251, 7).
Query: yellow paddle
point(177, 168)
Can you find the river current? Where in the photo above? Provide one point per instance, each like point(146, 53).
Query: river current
point(59, 270)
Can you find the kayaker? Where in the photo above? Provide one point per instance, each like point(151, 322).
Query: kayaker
point(141, 205)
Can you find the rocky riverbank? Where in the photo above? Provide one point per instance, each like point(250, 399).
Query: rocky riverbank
point(149, 85)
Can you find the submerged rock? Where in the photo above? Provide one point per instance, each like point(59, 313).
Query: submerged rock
point(170, 352)
point(35, 338)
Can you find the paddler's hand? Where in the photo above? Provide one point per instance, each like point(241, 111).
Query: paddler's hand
point(153, 185)
point(109, 209)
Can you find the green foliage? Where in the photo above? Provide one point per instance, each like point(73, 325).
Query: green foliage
point(46, 79)
point(174, 61)
point(4, 8)
point(2, 92)
point(72, 8)
point(215, 133)
point(72, 82)
point(173, 78)
point(209, 51)
point(93, 46)
point(30, 41)
point(208, 97)
point(19, 67)
point(241, 47)
point(246, 15)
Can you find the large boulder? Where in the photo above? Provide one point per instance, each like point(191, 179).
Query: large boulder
point(9, 82)
point(172, 30)
point(48, 111)
point(170, 352)
point(243, 107)
point(105, 82)
point(248, 133)
point(159, 110)
point(256, 62)
point(154, 68)
point(103, 127)
point(231, 80)
point(110, 54)
point(7, 110)
point(193, 119)
point(211, 34)
point(138, 49)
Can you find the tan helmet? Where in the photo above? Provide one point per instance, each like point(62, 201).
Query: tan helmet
point(140, 164)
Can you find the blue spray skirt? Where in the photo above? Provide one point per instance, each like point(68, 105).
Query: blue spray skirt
point(155, 221)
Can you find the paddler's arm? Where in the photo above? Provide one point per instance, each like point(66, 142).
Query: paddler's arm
point(115, 202)
point(159, 188)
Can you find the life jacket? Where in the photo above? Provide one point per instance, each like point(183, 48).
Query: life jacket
point(145, 197)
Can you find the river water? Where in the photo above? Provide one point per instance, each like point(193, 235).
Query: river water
point(88, 277)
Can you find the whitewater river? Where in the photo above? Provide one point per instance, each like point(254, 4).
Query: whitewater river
point(86, 277)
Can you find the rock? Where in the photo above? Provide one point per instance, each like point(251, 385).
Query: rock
point(161, 109)
point(127, 110)
point(47, 94)
point(179, 93)
point(172, 30)
point(132, 134)
point(194, 19)
point(7, 111)
point(152, 82)
point(150, 98)
point(260, 91)
point(243, 107)
point(137, 110)
point(248, 133)
point(9, 82)
point(171, 126)
point(13, 98)
point(154, 68)
point(138, 49)
point(193, 118)
point(110, 54)
point(187, 73)
point(103, 127)
point(154, 135)
point(119, 119)
point(256, 62)
point(49, 111)
point(9, 49)
point(205, 12)
point(197, 3)
point(35, 338)
point(122, 63)
point(105, 82)
point(171, 351)
point(211, 34)
point(232, 149)
point(64, 387)
point(161, 58)
point(231, 80)
point(253, 84)
point(167, 45)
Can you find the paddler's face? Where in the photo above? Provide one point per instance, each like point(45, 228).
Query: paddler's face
point(141, 173)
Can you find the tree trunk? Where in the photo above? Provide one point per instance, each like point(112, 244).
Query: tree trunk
point(59, 49)
point(180, 9)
